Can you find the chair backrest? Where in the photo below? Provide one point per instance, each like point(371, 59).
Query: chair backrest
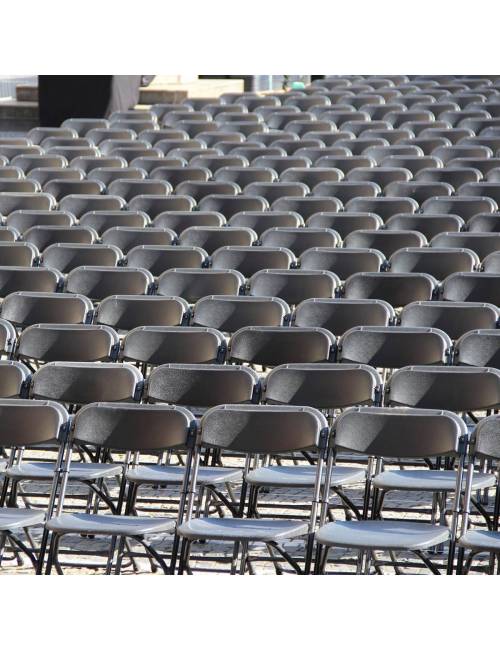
point(99, 282)
point(19, 278)
point(262, 429)
point(300, 239)
point(102, 220)
point(178, 221)
point(82, 383)
point(18, 415)
point(453, 388)
point(399, 432)
point(55, 342)
point(260, 221)
point(479, 348)
point(398, 289)
point(18, 254)
point(14, 379)
point(386, 241)
point(133, 427)
point(273, 346)
point(230, 313)
point(157, 345)
point(394, 347)
point(438, 262)
point(486, 437)
point(7, 336)
point(202, 385)
point(322, 385)
point(341, 261)
point(295, 285)
point(24, 308)
point(124, 312)
point(345, 222)
point(66, 257)
point(125, 238)
point(193, 284)
point(477, 287)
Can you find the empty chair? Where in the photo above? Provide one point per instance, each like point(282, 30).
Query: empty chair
point(175, 176)
point(18, 278)
point(100, 221)
point(45, 175)
point(476, 287)
point(126, 238)
point(340, 315)
point(455, 177)
point(107, 175)
point(342, 261)
point(14, 379)
point(80, 382)
point(243, 176)
point(295, 285)
point(18, 254)
point(155, 345)
point(44, 236)
point(24, 308)
point(438, 262)
point(381, 176)
point(343, 162)
point(83, 125)
point(454, 318)
point(398, 289)
point(483, 165)
point(300, 239)
point(155, 205)
point(149, 164)
point(259, 222)
point(130, 188)
point(210, 238)
point(27, 162)
point(66, 257)
point(56, 342)
point(230, 205)
point(281, 164)
point(384, 206)
point(200, 189)
point(126, 312)
point(427, 224)
point(307, 205)
point(395, 432)
point(274, 346)
point(489, 189)
point(418, 190)
point(445, 154)
point(463, 206)
point(178, 221)
point(484, 223)
point(346, 190)
point(231, 313)
point(59, 188)
point(159, 258)
point(491, 263)
point(311, 177)
point(98, 282)
point(393, 347)
point(250, 259)
point(193, 284)
point(79, 204)
point(273, 191)
point(479, 348)
point(250, 150)
point(20, 186)
point(345, 222)
point(400, 156)
point(481, 243)
point(386, 241)
point(11, 201)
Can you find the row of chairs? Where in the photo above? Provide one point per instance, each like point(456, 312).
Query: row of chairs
point(262, 432)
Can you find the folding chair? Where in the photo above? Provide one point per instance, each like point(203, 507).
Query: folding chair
point(438, 262)
point(230, 205)
point(45, 175)
point(59, 188)
point(379, 175)
point(383, 433)
point(476, 287)
point(454, 318)
point(27, 162)
point(79, 204)
point(345, 222)
point(17, 431)
point(346, 190)
point(273, 191)
point(231, 313)
point(481, 243)
point(484, 447)
point(155, 205)
point(385, 241)
point(179, 221)
point(45, 342)
point(25, 308)
point(66, 257)
point(463, 206)
point(22, 278)
point(428, 224)
point(99, 282)
point(129, 429)
point(124, 312)
point(125, 238)
point(44, 236)
point(108, 175)
point(11, 201)
point(398, 289)
point(272, 346)
point(295, 285)
point(18, 254)
point(153, 345)
point(193, 284)
point(341, 261)
point(478, 348)
point(157, 258)
point(256, 430)
point(243, 176)
point(15, 379)
point(384, 206)
point(484, 223)
point(342, 161)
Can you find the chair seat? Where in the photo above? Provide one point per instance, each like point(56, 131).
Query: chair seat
point(11, 518)
point(110, 524)
point(385, 534)
point(487, 540)
point(77, 471)
point(175, 474)
point(302, 476)
point(3, 465)
point(256, 530)
point(430, 480)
